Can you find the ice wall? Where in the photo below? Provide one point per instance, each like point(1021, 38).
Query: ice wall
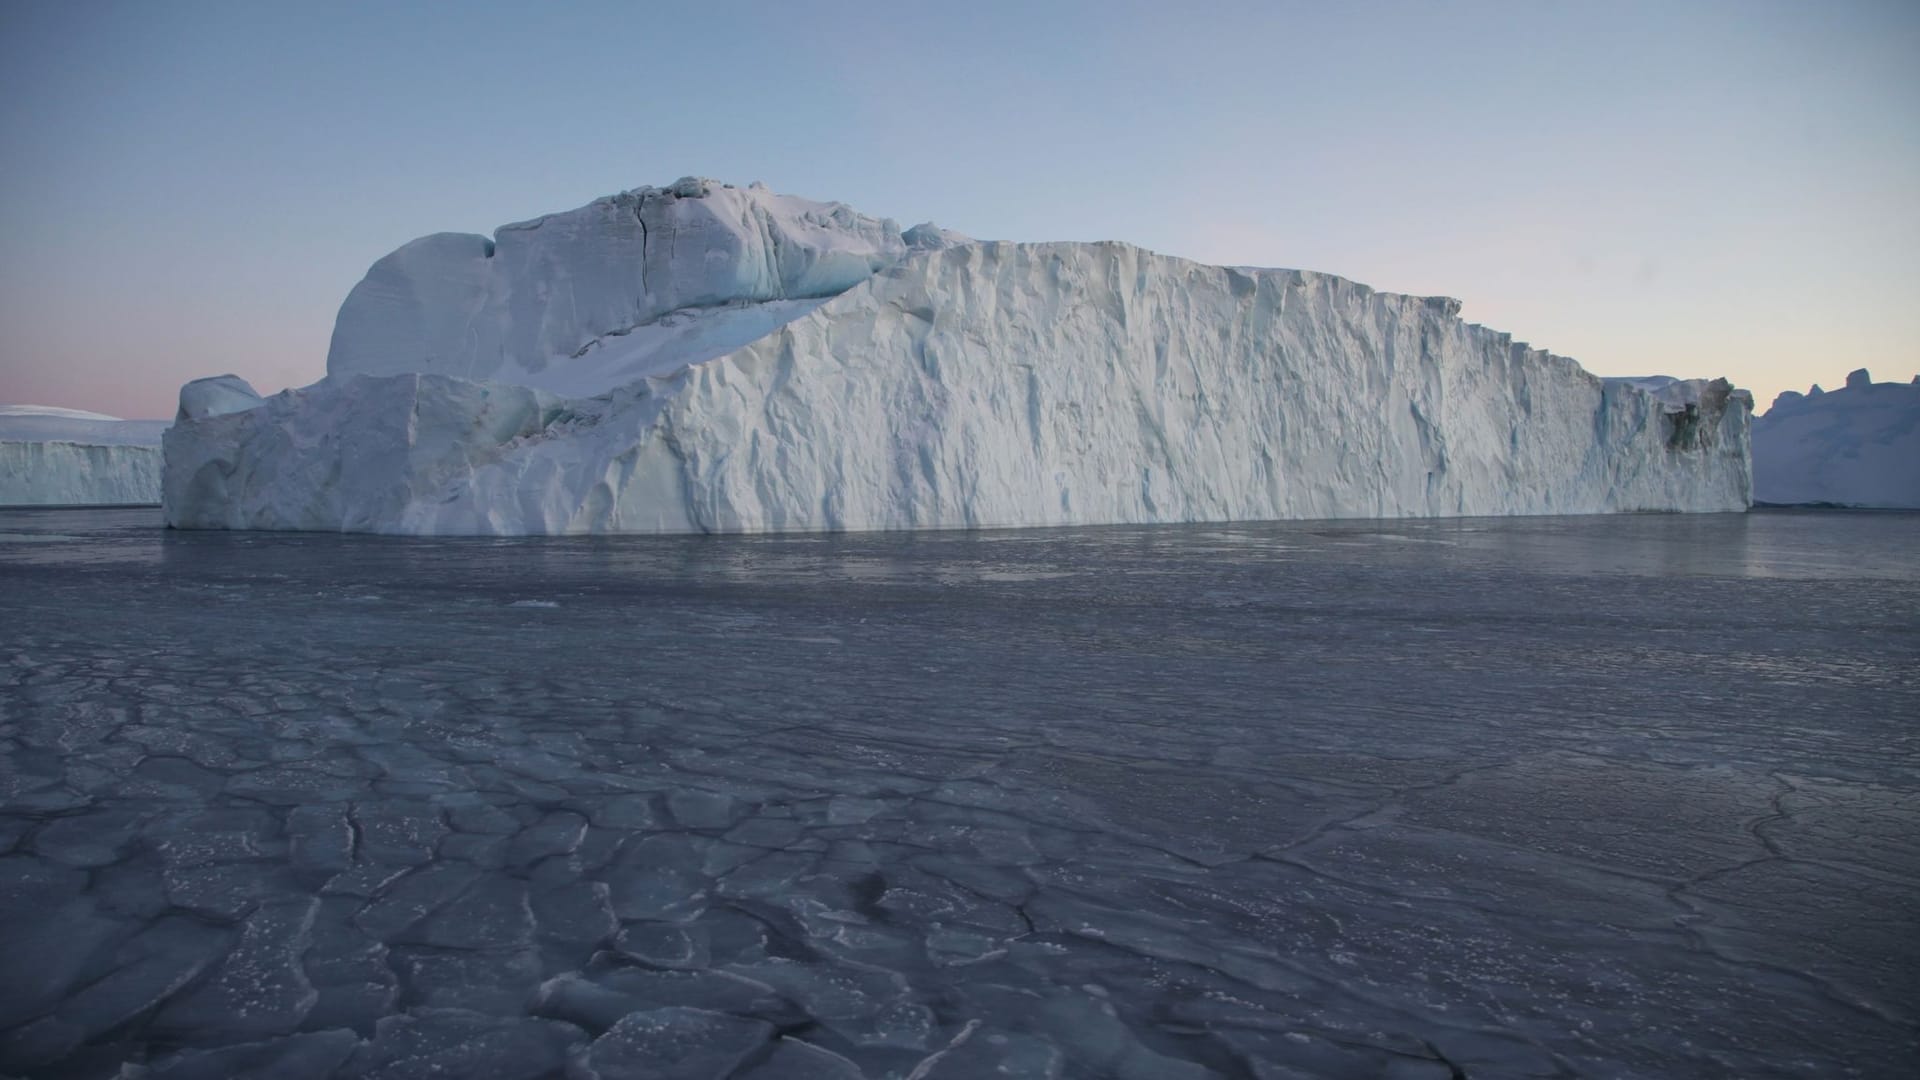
point(66, 457)
point(986, 385)
point(1857, 446)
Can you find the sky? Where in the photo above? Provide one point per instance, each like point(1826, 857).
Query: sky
point(190, 188)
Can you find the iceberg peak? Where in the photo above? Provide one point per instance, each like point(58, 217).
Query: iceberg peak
point(555, 302)
point(216, 395)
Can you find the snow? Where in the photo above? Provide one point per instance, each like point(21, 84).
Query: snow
point(714, 359)
point(1857, 446)
point(55, 456)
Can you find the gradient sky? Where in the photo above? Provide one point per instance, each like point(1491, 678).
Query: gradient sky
point(190, 188)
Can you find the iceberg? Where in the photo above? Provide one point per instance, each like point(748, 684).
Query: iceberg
point(67, 457)
point(706, 358)
point(1857, 446)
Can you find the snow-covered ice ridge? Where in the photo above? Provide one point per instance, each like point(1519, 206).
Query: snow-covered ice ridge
point(66, 457)
point(633, 284)
point(705, 358)
point(1857, 446)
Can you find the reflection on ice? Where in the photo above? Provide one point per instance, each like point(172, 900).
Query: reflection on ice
point(1534, 798)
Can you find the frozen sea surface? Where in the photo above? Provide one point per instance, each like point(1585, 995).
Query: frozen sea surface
point(1609, 797)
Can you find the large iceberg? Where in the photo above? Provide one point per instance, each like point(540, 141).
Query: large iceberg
point(1857, 446)
point(66, 457)
point(704, 358)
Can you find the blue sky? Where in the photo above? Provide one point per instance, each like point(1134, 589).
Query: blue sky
point(191, 188)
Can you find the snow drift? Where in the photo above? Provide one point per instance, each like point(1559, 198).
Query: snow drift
point(713, 359)
point(1858, 446)
point(66, 457)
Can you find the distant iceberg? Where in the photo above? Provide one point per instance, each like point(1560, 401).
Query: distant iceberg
point(706, 358)
point(66, 457)
point(1857, 446)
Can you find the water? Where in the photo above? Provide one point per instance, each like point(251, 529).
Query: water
point(1631, 796)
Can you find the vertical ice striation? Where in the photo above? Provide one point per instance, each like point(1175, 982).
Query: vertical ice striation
point(707, 359)
point(66, 457)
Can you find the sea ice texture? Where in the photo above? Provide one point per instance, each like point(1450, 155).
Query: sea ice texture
point(714, 359)
point(1857, 446)
point(65, 457)
point(1637, 801)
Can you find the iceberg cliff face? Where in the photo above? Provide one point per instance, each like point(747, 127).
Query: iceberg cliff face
point(944, 384)
point(66, 457)
point(1857, 446)
point(1014, 384)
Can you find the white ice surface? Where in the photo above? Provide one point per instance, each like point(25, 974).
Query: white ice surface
point(68, 457)
point(44, 423)
point(7, 411)
point(964, 386)
point(1857, 446)
point(215, 395)
point(586, 300)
